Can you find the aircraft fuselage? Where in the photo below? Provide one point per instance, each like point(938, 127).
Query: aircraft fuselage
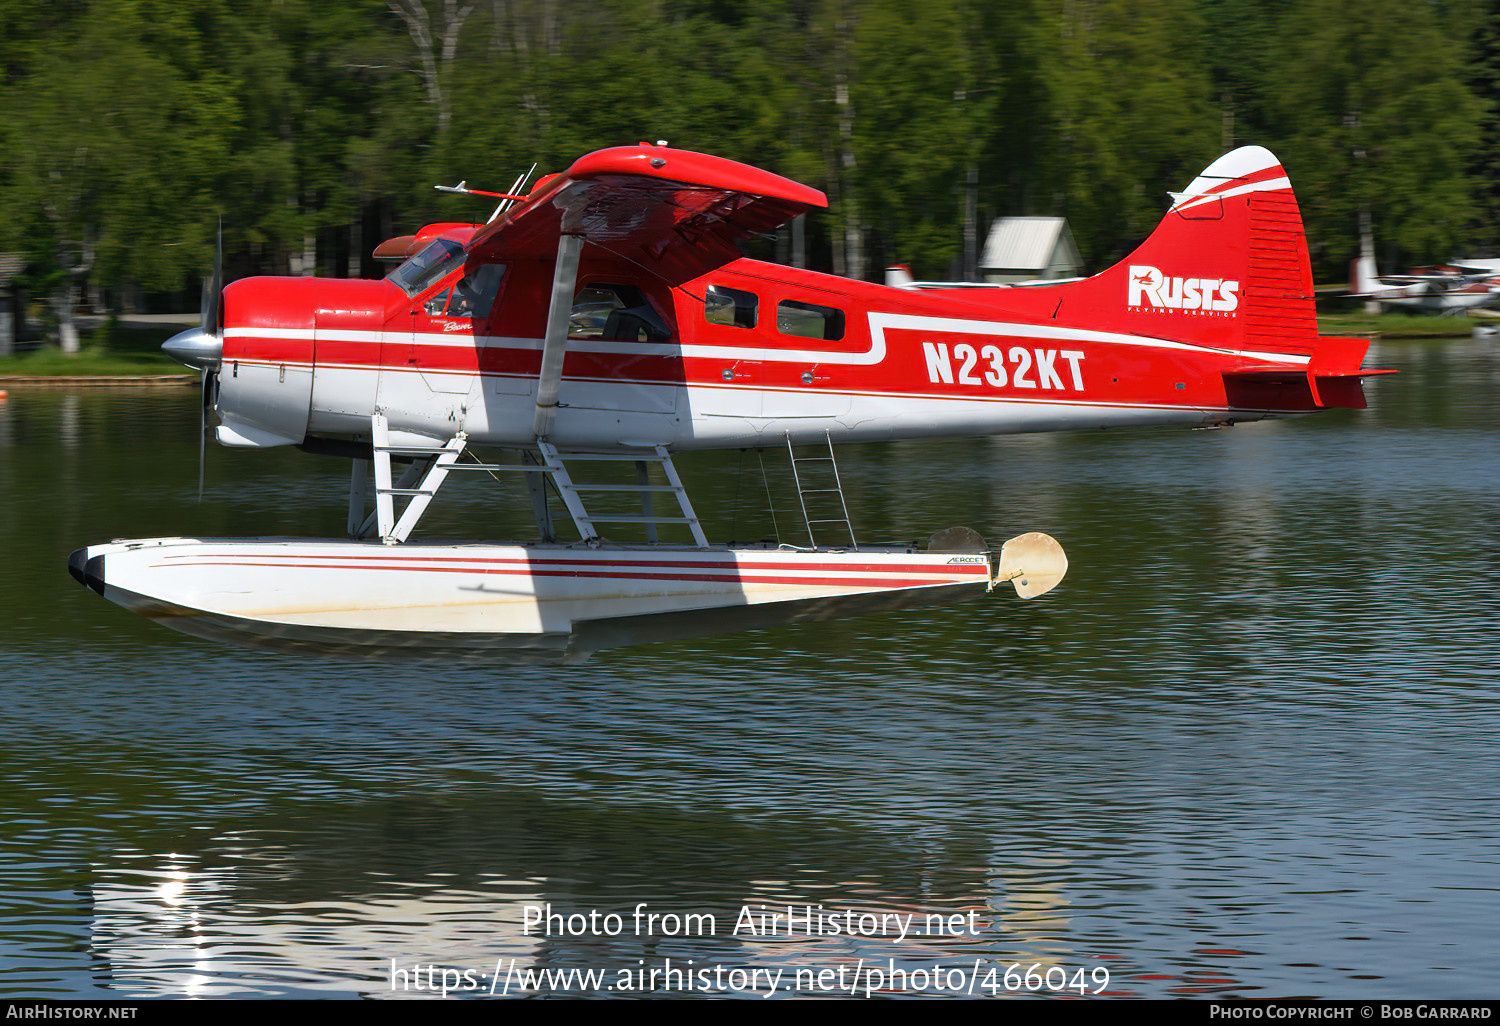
point(743, 356)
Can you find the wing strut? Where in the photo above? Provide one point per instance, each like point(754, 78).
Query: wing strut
point(549, 378)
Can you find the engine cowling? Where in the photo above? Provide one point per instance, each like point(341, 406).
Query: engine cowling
point(268, 370)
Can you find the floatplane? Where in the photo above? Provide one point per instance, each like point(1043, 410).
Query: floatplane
point(1449, 289)
point(605, 317)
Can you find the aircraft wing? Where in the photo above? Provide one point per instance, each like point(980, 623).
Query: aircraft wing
point(1475, 275)
point(1455, 275)
point(675, 213)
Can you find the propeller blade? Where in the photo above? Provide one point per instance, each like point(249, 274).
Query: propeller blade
point(214, 286)
point(202, 426)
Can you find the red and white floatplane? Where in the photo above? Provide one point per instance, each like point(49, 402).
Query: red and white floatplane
point(604, 318)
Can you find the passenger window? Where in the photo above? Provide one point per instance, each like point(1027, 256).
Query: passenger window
point(616, 313)
point(808, 320)
point(733, 307)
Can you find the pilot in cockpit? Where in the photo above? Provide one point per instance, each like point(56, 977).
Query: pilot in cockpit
point(475, 293)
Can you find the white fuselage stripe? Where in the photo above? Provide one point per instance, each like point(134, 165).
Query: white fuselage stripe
point(879, 323)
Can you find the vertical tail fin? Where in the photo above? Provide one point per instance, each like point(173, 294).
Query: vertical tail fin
point(899, 276)
point(1363, 278)
point(1227, 267)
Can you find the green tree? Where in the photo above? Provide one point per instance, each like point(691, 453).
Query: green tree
point(1485, 171)
point(1127, 111)
point(922, 117)
point(1376, 114)
point(114, 165)
point(1241, 46)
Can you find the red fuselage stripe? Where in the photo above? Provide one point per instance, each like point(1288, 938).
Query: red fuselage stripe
point(419, 562)
point(736, 578)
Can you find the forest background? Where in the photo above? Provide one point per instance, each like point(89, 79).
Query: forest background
point(313, 129)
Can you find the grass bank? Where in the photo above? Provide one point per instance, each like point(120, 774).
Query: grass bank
point(111, 350)
point(1400, 325)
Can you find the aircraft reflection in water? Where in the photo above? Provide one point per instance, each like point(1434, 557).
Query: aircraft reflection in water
point(407, 916)
point(605, 319)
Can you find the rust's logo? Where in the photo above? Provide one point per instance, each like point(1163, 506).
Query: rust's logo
point(1150, 289)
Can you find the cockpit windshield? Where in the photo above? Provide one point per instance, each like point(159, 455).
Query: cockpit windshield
point(436, 259)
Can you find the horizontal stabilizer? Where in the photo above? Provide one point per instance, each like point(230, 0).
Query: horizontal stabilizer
point(1331, 377)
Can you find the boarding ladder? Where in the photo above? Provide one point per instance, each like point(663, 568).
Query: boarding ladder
point(569, 490)
point(826, 487)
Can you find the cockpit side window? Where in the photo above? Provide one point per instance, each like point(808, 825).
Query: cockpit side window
point(474, 295)
point(437, 303)
point(434, 260)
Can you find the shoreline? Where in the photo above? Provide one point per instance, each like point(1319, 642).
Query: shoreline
point(95, 380)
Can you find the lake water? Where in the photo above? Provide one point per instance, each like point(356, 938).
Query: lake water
point(1247, 748)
